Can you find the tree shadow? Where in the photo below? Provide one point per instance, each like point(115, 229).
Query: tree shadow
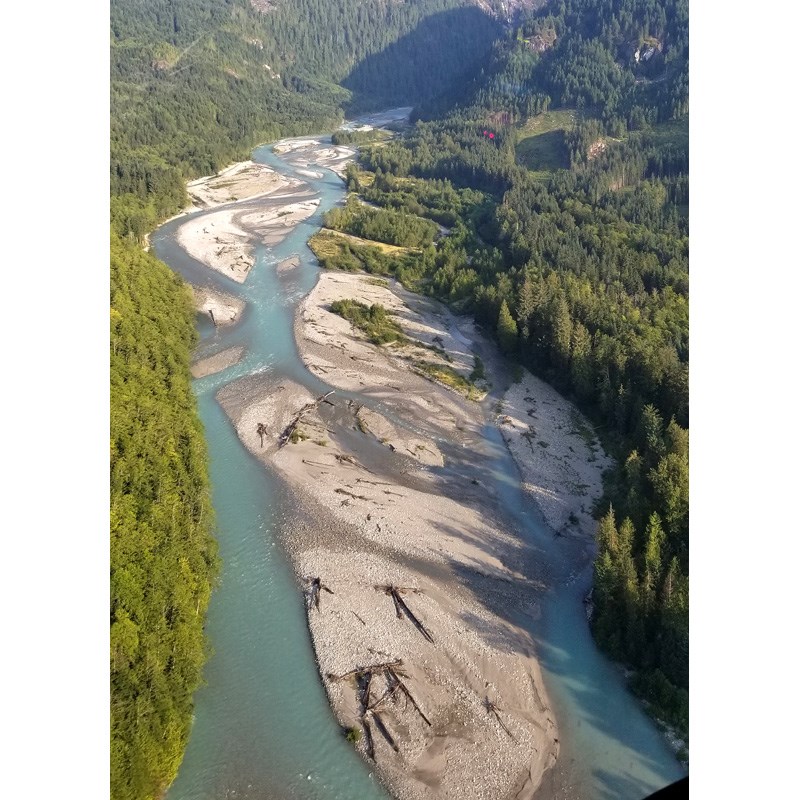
point(438, 54)
point(559, 636)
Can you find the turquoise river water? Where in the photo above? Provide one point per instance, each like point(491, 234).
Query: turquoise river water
point(263, 729)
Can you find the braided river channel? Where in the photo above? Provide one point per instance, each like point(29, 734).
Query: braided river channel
point(263, 728)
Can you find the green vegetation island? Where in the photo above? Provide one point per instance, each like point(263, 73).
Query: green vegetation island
point(540, 191)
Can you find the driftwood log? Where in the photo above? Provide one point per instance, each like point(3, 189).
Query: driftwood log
point(369, 710)
point(292, 426)
point(491, 708)
point(314, 591)
point(392, 678)
point(372, 668)
point(400, 607)
point(369, 745)
point(364, 682)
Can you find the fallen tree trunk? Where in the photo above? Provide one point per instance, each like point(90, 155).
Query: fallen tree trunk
point(404, 689)
point(314, 592)
point(414, 621)
point(492, 708)
point(374, 668)
point(364, 684)
point(387, 695)
point(350, 494)
point(291, 427)
point(369, 745)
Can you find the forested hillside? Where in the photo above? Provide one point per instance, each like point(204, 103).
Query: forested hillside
point(576, 256)
point(195, 84)
point(163, 558)
point(555, 152)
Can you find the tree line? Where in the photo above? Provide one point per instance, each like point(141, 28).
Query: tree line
point(195, 85)
point(163, 557)
point(583, 278)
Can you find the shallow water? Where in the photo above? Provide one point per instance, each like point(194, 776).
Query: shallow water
point(263, 727)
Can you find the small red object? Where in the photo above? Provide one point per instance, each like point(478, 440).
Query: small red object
point(491, 136)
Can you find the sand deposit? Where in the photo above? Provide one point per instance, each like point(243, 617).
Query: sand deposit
point(390, 491)
point(225, 240)
point(243, 181)
point(465, 580)
point(559, 456)
point(218, 362)
point(224, 309)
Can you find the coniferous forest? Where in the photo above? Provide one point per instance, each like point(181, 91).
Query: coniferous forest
point(567, 240)
point(163, 558)
point(196, 84)
point(578, 262)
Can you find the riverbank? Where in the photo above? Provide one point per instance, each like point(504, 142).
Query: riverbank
point(397, 488)
point(384, 519)
point(560, 459)
point(399, 482)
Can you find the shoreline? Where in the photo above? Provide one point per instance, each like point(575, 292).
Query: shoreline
point(470, 581)
point(394, 524)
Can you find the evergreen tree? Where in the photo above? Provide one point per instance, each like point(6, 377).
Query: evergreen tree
point(655, 539)
point(506, 329)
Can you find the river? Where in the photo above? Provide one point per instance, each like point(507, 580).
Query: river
point(263, 727)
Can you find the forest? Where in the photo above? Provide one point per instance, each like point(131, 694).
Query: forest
point(163, 557)
point(574, 256)
point(381, 225)
point(581, 273)
point(195, 85)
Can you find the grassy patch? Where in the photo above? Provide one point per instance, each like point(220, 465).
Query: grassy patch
point(373, 320)
point(441, 373)
point(353, 735)
point(388, 249)
point(540, 143)
point(340, 251)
